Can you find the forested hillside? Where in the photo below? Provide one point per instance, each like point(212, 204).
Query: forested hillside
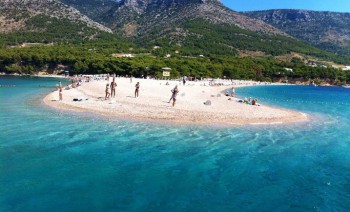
point(206, 38)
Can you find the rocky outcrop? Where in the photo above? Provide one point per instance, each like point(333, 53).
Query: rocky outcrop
point(94, 9)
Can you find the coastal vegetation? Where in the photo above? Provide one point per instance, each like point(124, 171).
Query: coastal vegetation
point(95, 58)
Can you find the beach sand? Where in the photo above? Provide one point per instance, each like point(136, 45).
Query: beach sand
point(152, 103)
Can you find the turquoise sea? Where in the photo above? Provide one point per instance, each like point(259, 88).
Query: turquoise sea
point(63, 161)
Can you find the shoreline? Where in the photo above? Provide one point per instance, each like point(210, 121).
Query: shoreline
point(298, 118)
point(274, 83)
point(35, 75)
point(152, 104)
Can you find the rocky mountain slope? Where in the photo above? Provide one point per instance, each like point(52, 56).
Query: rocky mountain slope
point(94, 9)
point(140, 17)
point(16, 15)
point(327, 30)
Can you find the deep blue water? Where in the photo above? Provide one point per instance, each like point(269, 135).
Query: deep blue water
point(63, 161)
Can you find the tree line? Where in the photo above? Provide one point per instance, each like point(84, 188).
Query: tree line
point(95, 59)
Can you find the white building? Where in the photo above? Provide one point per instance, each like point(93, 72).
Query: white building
point(127, 55)
point(123, 55)
point(288, 69)
point(346, 68)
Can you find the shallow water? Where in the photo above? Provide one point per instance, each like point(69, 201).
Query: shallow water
point(63, 161)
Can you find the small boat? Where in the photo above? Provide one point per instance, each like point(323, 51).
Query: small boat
point(346, 86)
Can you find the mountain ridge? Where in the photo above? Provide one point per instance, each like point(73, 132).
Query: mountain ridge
point(325, 29)
point(144, 15)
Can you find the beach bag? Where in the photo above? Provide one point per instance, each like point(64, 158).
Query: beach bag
point(208, 102)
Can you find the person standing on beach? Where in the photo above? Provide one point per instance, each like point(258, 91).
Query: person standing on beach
point(60, 94)
point(174, 92)
point(107, 92)
point(233, 92)
point(183, 81)
point(60, 91)
point(137, 88)
point(113, 86)
point(107, 78)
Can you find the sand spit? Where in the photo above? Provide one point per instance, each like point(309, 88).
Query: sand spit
point(152, 104)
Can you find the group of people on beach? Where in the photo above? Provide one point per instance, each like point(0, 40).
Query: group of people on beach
point(113, 87)
point(111, 93)
point(110, 89)
point(250, 101)
point(76, 81)
point(231, 92)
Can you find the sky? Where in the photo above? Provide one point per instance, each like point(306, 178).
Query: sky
point(318, 5)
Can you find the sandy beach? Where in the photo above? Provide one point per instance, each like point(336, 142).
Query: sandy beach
point(152, 103)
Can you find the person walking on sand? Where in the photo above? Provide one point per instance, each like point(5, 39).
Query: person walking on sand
point(137, 88)
point(107, 92)
point(174, 92)
point(113, 86)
